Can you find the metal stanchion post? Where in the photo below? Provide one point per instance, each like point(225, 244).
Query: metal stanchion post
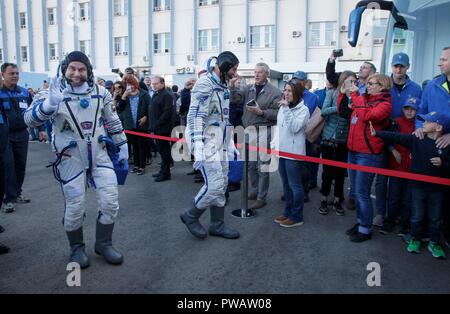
point(244, 212)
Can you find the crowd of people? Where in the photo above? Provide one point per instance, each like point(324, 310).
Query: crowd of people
point(367, 118)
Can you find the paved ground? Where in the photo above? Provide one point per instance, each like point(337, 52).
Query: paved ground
point(161, 257)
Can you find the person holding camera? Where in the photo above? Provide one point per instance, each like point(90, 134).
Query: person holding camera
point(337, 113)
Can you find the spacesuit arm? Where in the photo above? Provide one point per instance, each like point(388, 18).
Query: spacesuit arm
point(36, 115)
point(114, 125)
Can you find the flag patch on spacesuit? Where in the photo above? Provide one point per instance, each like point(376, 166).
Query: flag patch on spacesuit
point(202, 99)
point(226, 112)
point(86, 125)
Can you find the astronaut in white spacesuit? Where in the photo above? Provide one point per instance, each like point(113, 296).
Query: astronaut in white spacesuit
point(82, 119)
point(210, 135)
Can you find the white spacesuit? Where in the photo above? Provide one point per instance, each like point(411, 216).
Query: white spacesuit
point(211, 136)
point(82, 116)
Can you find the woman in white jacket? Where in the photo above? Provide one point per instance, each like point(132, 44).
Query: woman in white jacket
point(293, 118)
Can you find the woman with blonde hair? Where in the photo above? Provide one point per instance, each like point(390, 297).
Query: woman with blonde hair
point(374, 107)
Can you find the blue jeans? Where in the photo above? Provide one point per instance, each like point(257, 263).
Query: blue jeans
point(426, 203)
point(362, 184)
point(381, 190)
point(291, 177)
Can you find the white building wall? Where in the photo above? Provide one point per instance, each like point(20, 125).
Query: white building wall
point(293, 53)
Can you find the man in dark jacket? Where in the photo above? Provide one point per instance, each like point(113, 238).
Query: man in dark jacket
point(3, 141)
point(15, 100)
point(161, 123)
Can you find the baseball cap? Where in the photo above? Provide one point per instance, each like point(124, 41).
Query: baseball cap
point(109, 84)
point(400, 59)
point(300, 75)
point(439, 118)
point(412, 103)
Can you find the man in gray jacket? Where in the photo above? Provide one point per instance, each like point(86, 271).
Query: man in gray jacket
point(263, 113)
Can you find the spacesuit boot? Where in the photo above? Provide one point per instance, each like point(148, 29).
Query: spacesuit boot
point(190, 219)
point(77, 253)
point(218, 228)
point(103, 244)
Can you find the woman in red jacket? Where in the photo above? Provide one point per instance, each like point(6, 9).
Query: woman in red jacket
point(365, 150)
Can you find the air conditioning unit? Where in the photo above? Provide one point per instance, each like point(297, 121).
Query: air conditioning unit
point(117, 14)
point(287, 77)
point(296, 34)
point(181, 70)
point(157, 9)
point(378, 41)
point(51, 23)
point(125, 53)
point(343, 28)
point(190, 70)
point(400, 41)
point(53, 58)
point(333, 43)
point(83, 18)
point(190, 57)
point(23, 26)
point(118, 53)
point(241, 39)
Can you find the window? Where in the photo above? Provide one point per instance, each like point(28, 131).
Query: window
point(24, 53)
point(202, 3)
point(322, 34)
point(379, 31)
point(120, 46)
point(1, 55)
point(23, 20)
point(120, 7)
point(52, 52)
point(159, 5)
point(83, 11)
point(51, 16)
point(262, 36)
point(85, 47)
point(161, 43)
point(208, 40)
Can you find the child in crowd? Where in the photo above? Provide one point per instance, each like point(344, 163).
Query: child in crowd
point(399, 196)
point(429, 160)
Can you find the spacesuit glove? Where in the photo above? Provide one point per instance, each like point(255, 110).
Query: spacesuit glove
point(55, 95)
point(199, 155)
point(123, 153)
point(233, 153)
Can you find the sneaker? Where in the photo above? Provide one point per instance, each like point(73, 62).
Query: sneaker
point(385, 230)
point(351, 205)
point(291, 224)
point(323, 210)
point(9, 208)
point(378, 221)
point(436, 250)
point(3, 249)
point(337, 207)
point(135, 170)
point(354, 230)
point(403, 232)
point(360, 237)
point(22, 200)
point(414, 246)
point(140, 172)
point(280, 219)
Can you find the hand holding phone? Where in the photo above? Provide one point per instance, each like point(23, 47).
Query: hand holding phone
point(252, 103)
point(338, 53)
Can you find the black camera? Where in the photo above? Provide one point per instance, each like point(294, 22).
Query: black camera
point(115, 71)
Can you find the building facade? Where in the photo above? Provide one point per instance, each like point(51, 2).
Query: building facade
point(174, 38)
